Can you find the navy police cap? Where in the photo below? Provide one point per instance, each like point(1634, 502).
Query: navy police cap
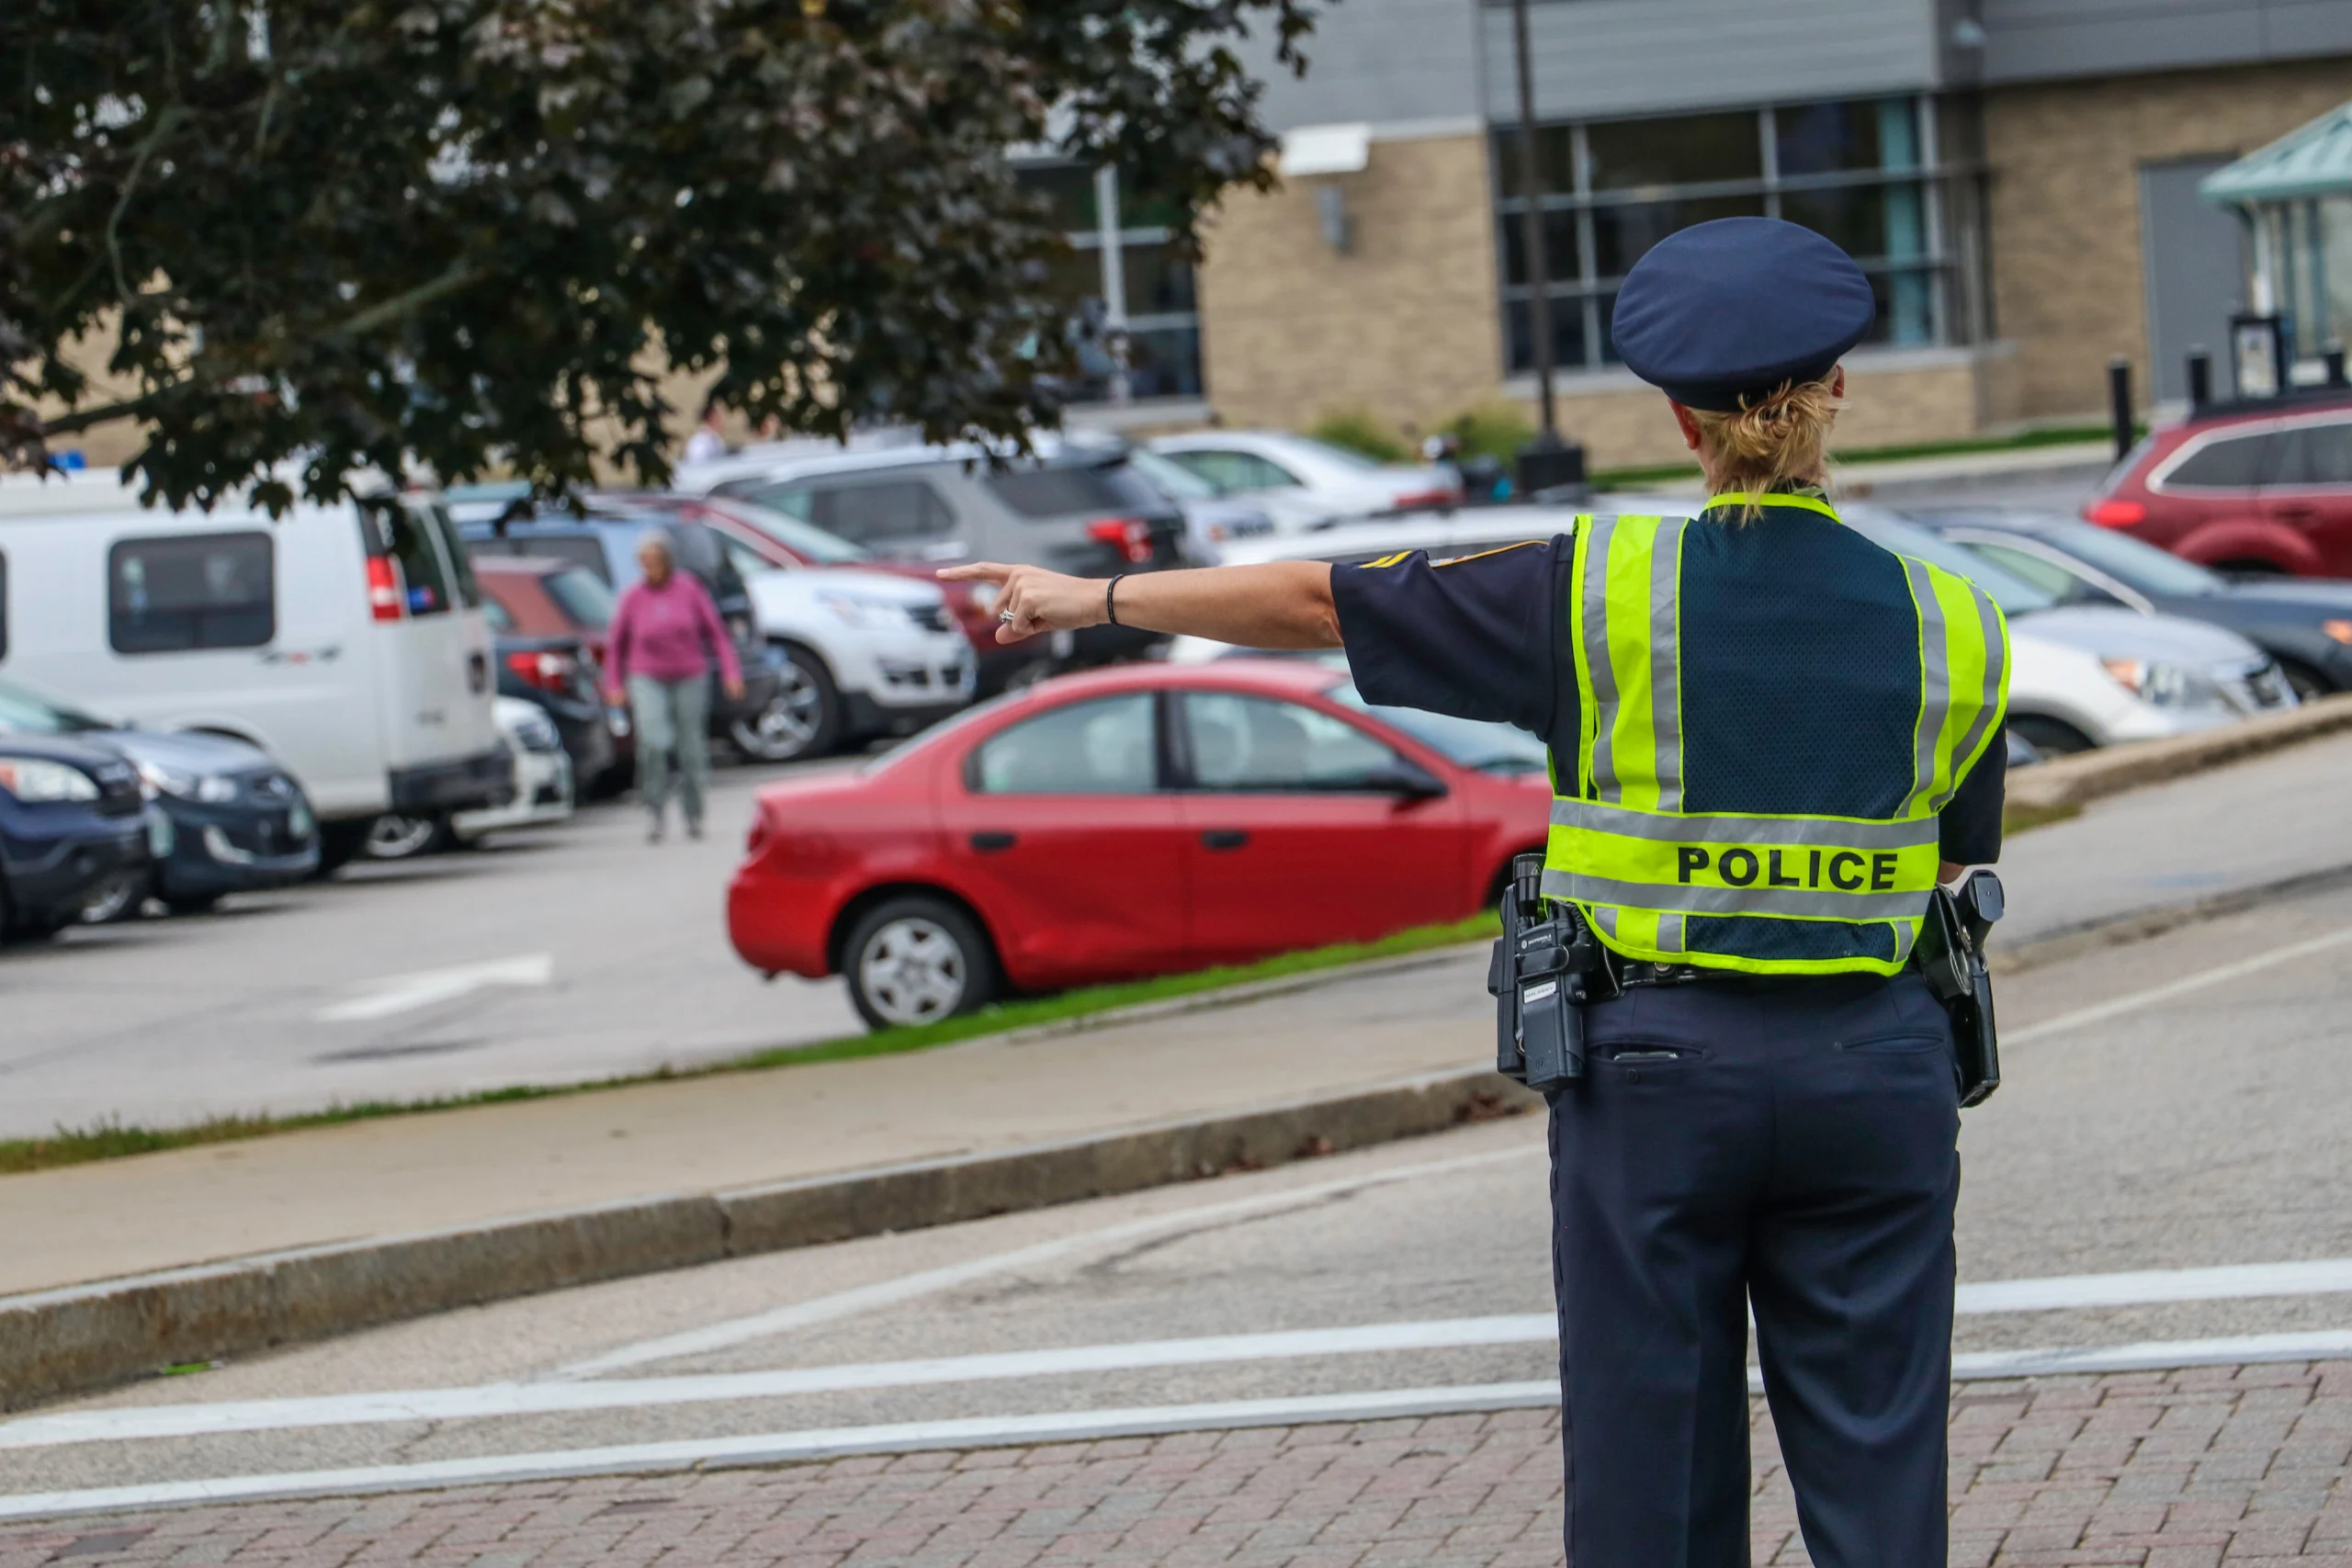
point(1736, 308)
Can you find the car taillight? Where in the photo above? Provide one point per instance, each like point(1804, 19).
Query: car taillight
point(1420, 498)
point(1131, 536)
point(385, 599)
point(548, 671)
point(2116, 514)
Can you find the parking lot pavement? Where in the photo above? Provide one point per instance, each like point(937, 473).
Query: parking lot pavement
point(553, 956)
point(2222, 1465)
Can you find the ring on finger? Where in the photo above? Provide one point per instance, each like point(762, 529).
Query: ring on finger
point(1008, 616)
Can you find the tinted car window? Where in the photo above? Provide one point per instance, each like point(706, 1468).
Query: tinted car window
point(580, 549)
point(1232, 472)
point(2236, 462)
point(1256, 743)
point(872, 512)
point(1103, 747)
point(1062, 491)
point(2316, 455)
point(794, 530)
point(2134, 562)
point(583, 595)
point(169, 594)
point(2045, 574)
point(453, 550)
point(1471, 743)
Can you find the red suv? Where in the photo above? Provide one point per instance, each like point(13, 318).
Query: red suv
point(2255, 488)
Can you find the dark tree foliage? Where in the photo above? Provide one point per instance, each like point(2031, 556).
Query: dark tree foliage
point(471, 232)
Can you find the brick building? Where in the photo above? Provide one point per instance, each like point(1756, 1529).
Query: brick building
point(2017, 176)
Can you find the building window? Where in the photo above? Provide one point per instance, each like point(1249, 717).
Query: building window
point(1863, 172)
point(1134, 308)
point(178, 592)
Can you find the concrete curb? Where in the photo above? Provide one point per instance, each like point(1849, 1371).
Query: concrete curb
point(2092, 775)
point(78, 1338)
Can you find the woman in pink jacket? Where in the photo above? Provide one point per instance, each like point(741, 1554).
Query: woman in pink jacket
point(664, 635)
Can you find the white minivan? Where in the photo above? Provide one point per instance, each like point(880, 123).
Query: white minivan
point(345, 640)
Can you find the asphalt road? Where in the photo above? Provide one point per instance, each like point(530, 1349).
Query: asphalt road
point(2172, 1108)
point(556, 955)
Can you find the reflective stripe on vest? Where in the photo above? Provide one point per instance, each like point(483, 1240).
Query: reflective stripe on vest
point(1642, 869)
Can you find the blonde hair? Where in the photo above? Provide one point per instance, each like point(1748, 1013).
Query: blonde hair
point(1768, 443)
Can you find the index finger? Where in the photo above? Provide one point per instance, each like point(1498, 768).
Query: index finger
point(976, 571)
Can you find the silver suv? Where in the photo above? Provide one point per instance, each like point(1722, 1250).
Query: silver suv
point(1076, 507)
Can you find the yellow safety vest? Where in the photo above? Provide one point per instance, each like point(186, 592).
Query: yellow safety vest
point(1715, 888)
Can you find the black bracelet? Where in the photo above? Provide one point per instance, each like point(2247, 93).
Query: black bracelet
point(1110, 606)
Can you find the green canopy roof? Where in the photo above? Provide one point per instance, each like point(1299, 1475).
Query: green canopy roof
point(2314, 161)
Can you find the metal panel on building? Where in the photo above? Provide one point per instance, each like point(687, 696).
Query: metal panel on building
point(1602, 58)
point(1390, 62)
point(2042, 39)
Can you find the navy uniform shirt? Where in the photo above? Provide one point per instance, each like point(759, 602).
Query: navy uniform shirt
point(1482, 636)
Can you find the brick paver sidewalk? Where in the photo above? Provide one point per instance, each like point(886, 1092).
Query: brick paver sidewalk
point(2239, 1466)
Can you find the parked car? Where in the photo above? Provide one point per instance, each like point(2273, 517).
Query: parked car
point(74, 834)
point(1336, 483)
point(761, 540)
point(1211, 520)
point(1130, 821)
point(548, 619)
point(2305, 625)
point(1077, 506)
point(226, 817)
point(2252, 489)
point(2079, 676)
point(762, 723)
point(543, 776)
point(346, 641)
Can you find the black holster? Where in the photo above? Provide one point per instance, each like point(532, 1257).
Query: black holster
point(1540, 976)
point(1950, 954)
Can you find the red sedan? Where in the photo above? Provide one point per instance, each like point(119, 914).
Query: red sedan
point(1131, 821)
point(2254, 489)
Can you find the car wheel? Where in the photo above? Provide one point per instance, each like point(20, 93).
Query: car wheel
point(339, 844)
point(917, 960)
point(804, 717)
point(2052, 737)
point(117, 898)
point(395, 836)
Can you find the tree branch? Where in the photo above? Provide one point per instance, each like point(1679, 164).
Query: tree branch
point(459, 276)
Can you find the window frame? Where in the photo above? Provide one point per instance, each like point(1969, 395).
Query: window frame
point(134, 541)
point(1107, 242)
point(2163, 482)
point(1162, 759)
point(1947, 193)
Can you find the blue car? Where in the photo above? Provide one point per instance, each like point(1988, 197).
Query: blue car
point(225, 818)
point(73, 834)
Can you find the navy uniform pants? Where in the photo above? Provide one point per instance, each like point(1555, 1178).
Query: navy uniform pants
point(1788, 1145)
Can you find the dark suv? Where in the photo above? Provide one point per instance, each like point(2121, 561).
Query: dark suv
point(73, 833)
point(605, 541)
point(2249, 489)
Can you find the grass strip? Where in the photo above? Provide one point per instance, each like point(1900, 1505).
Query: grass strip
point(117, 1140)
point(2060, 435)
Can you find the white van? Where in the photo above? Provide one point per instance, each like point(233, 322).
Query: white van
point(346, 640)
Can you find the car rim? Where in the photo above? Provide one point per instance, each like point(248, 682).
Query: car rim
point(912, 971)
point(109, 904)
point(787, 726)
point(392, 838)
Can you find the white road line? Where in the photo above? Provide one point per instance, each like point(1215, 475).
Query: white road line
point(491, 1401)
point(404, 993)
point(546, 1398)
point(1071, 1425)
point(2221, 975)
point(930, 1281)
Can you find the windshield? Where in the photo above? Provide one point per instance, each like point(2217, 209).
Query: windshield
point(583, 595)
point(2013, 594)
point(1470, 743)
point(1172, 476)
point(2133, 562)
point(29, 713)
point(801, 538)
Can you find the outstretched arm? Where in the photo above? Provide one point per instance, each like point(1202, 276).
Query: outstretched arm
point(1279, 605)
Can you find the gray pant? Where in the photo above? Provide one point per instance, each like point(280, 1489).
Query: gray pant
point(672, 715)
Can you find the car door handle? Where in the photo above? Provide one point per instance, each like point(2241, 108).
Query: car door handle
point(992, 843)
point(1225, 838)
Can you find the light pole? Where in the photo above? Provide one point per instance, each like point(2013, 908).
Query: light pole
point(1539, 273)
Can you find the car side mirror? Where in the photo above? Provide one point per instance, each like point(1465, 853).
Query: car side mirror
point(1405, 779)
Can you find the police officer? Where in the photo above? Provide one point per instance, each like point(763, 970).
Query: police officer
point(1771, 738)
